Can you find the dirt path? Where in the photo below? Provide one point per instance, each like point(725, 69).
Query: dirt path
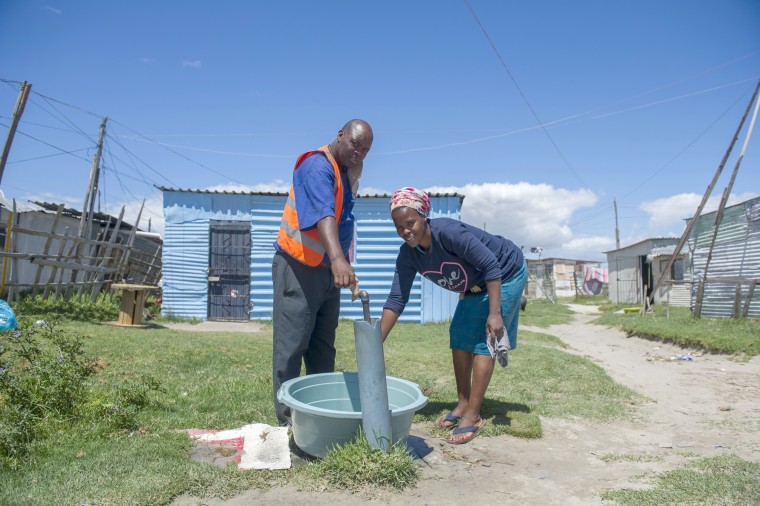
point(707, 406)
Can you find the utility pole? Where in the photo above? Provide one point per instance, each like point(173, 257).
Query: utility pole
point(92, 186)
point(88, 204)
point(617, 229)
point(17, 112)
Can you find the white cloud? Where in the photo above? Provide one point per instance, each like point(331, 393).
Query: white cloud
point(52, 9)
point(192, 63)
point(529, 215)
point(152, 215)
point(147, 60)
point(670, 212)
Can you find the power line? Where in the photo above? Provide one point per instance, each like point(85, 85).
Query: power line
point(132, 155)
point(214, 151)
point(524, 97)
point(48, 156)
point(665, 165)
point(63, 151)
point(180, 155)
point(65, 119)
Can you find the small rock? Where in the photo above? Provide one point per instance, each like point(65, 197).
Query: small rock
point(666, 445)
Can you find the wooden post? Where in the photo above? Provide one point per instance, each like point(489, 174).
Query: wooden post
point(724, 199)
point(149, 276)
point(737, 301)
point(698, 303)
point(617, 229)
point(750, 293)
point(54, 269)
point(131, 240)
point(46, 249)
point(13, 291)
point(667, 305)
point(706, 196)
point(8, 231)
point(18, 110)
point(98, 280)
point(89, 197)
point(89, 201)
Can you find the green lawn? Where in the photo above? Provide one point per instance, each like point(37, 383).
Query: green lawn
point(721, 335)
point(223, 380)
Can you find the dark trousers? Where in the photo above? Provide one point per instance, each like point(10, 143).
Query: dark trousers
point(305, 316)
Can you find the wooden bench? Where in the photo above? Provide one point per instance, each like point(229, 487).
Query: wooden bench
point(132, 303)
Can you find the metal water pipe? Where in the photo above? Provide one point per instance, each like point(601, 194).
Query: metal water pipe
point(373, 389)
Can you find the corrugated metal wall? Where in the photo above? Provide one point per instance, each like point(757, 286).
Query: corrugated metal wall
point(266, 214)
point(186, 246)
point(626, 279)
point(627, 276)
point(736, 254)
point(185, 260)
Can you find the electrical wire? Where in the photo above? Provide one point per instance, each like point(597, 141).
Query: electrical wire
point(524, 97)
point(181, 155)
point(47, 156)
point(665, 165)
point(63, 151)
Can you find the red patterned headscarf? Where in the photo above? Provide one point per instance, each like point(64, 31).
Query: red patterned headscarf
point(411, 197)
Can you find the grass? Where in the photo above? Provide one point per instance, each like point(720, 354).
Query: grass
point(718, 335)
point(223, 380)
point(543, 313)
point(624, 457)
point(721, 335)
point(355, 466)
point(724, 480)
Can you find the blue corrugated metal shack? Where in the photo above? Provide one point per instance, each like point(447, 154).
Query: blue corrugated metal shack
point(217, 256)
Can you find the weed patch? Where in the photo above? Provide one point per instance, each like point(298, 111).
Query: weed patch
point(44, 388)
point(356, 465)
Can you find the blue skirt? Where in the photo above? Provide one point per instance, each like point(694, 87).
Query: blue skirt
point(468, 327)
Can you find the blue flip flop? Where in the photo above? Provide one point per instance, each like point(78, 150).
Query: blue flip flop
point(472, 430)
point(451, 418)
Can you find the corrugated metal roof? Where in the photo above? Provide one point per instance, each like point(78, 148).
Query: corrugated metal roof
point(21, 207)
point(642, 242)
point(73, 213)
point(284, 194)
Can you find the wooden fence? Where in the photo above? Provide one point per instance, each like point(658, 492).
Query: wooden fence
point(70, 265)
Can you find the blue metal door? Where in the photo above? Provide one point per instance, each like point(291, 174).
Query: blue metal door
point(229, 270)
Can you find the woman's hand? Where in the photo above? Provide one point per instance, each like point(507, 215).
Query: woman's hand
point(494, 327)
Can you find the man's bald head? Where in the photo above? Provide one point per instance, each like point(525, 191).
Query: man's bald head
point(352, 144)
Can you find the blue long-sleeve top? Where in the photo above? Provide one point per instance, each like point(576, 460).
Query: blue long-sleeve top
point(461, 258)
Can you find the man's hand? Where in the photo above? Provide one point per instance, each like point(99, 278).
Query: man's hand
point(343, 273)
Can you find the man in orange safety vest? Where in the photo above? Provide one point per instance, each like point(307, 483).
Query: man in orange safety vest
point(311, 263)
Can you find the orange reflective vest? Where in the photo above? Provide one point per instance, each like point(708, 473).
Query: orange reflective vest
point(305, 245)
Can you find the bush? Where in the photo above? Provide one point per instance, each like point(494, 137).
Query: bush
point(105, 308)
point(44, 386)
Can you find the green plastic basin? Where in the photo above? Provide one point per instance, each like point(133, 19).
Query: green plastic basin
point(326, 409)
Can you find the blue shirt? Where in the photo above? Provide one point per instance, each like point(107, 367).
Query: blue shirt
point(314, 189)
point(461, 258)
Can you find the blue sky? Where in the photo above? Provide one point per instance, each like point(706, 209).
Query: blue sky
point(540, 113)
